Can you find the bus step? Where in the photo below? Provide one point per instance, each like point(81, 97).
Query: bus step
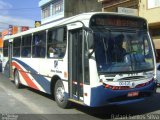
point(75, 101)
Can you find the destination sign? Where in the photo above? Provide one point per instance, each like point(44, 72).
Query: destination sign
point(117, 21)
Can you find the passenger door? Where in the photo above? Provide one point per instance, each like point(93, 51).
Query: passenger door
point(75, 64)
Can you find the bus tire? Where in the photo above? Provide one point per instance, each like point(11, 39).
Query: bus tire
point(17, 80)
point(60, 96)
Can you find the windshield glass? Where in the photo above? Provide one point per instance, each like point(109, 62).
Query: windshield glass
point(122, 51)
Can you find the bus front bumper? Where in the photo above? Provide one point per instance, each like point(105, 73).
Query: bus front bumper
point(100, 96)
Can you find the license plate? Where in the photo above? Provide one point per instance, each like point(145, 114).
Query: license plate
point(133, 94)
point(125, 83)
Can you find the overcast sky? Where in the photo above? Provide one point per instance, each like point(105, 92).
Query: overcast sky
point(19, 12)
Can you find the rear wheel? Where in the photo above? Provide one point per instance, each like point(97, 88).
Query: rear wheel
point(16, 80)
point(61, 97)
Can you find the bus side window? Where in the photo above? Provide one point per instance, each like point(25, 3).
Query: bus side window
point(56, 43)
point(16, 47)
point(39, 44)
point(26, 46)
point(5, 48)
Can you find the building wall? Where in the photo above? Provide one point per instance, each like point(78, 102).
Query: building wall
point(150, 11)
point(151, 14)
point(51, 10)
point(70, 8)
point(42, 2)
point(74, 7)
point(147, 8)
point(112, 5)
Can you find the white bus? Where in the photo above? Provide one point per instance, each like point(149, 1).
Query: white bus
point(93, 59)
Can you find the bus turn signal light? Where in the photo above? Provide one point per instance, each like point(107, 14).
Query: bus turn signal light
point(117, 87)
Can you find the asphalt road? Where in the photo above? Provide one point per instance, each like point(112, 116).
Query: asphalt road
point(28, 104)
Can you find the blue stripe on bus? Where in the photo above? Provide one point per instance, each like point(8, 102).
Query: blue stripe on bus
point(41, 80)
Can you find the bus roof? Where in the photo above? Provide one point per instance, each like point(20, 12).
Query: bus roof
point(84, 18)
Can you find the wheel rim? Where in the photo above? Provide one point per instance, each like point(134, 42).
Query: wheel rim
point(60, 94)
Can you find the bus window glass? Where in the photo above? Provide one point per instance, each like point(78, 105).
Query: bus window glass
point(39, 44)
point(60, 35)
point(5, 48)
point(56, 43)
point(88, 44)
point(26, 46)
point(121, 51)
point(16, 47)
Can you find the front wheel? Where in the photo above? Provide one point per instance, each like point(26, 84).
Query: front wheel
point(17, 80)
point(61, 97)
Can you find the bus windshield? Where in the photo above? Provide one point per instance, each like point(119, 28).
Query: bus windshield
point(122, 50)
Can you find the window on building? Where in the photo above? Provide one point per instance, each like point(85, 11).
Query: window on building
point(56, 43)
point(46, 11)
point(26, 46)
point(57, 7)
point(39, 44)
point(16, 47)
point(153, 3)
point(5, 48)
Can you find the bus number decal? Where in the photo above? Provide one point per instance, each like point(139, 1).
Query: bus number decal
point(125, 83)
